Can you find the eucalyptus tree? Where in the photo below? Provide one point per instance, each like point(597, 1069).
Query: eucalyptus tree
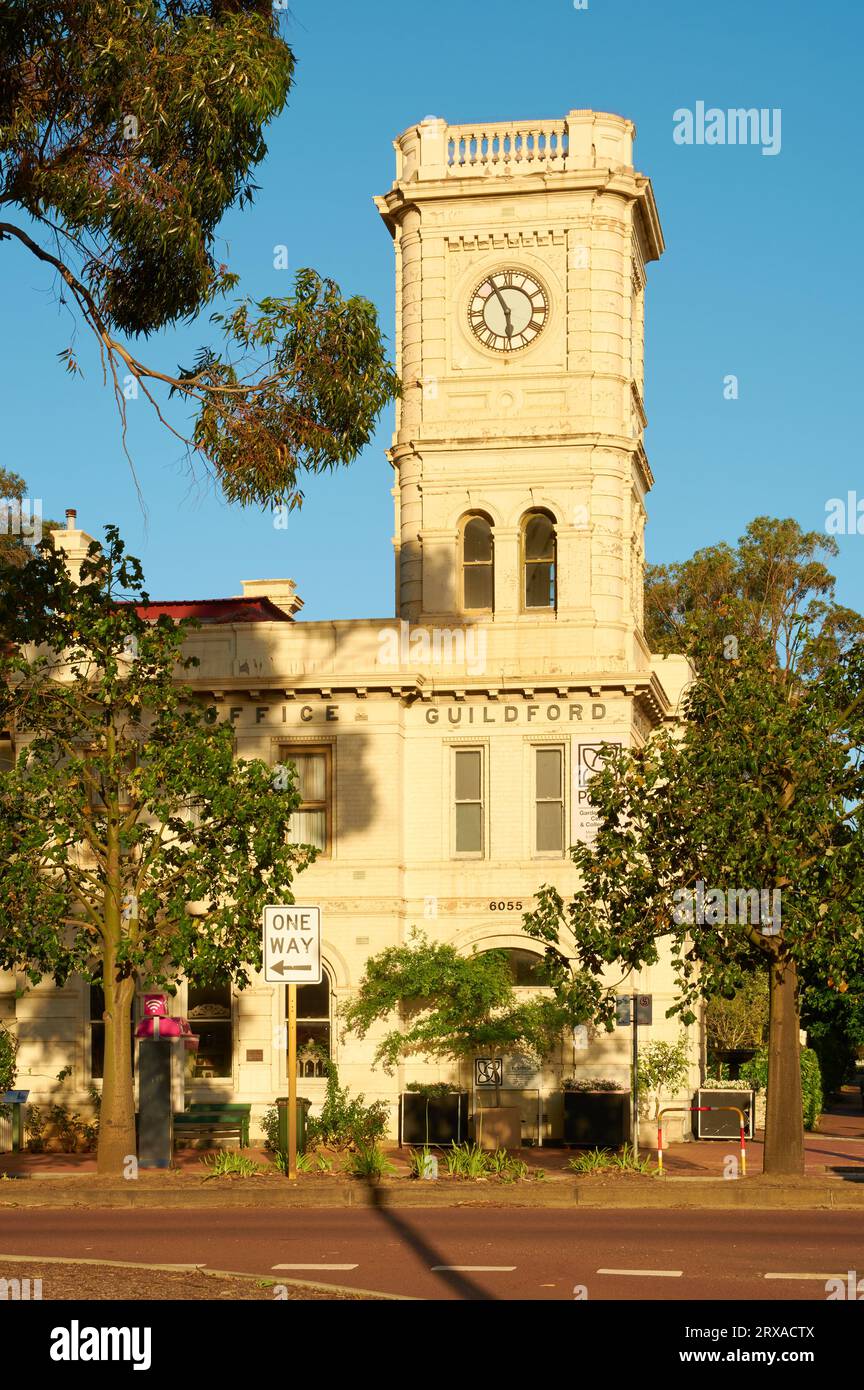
point(128, 129)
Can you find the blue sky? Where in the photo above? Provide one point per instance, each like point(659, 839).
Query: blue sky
point(760, 278)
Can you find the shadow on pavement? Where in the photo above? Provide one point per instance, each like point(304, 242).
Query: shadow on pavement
point(453, 1278)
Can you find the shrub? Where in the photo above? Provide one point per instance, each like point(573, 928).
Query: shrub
point(466, 1161)
point(604, 1161)
point(73, 1133)
point(347, 1122)
point(811, 1087)
point(419, 1161)
point(470, 1161)
point(8, 1051)
point(593, 1161)
point(368, 1162)
point(504, 1166)
point(755, 1073)
point(836, 1055)
point(269, 1123)
point(36, 1124)
point(590, 1083)
point(433, 1089)
point(627, 1161)
point(227, 1163)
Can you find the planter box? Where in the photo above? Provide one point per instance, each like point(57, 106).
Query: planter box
point(433, 1119)
point(724, 1124)
point(597, 1119)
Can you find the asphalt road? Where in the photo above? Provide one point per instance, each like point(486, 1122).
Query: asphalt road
point(486, 1253)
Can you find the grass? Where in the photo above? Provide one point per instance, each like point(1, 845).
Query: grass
point(368, 1162)
point(466, 1161)
point(227, 1163)
point(471, 1162)
point(592, 1161)
point(306, 1163)
point(418, 1161)
point(606, 1161)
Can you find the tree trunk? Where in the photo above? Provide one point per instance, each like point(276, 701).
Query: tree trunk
point(784, 1118)
point(117, 1115)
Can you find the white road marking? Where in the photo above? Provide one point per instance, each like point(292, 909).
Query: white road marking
point(474, 1269)
point(646, 1273)
point(806, 1276)
point(307, 1267)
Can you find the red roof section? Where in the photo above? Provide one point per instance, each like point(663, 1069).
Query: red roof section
point(217, 610)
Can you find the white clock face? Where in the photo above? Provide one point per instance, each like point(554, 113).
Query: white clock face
point(507, 310)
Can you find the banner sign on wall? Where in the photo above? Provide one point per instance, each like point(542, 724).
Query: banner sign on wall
point(589, 759)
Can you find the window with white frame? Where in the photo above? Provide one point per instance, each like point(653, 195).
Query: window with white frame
point(311, 823)
point(478, 564)
point(549, 800)
point(468, 803)
point(539, 561)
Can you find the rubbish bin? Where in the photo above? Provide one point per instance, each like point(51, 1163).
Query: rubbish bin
point(17, 1100)
point(302, 1111)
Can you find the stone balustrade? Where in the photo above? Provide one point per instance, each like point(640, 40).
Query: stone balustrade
point(434, 150)
point(508, 146)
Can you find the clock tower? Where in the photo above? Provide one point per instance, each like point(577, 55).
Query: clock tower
point(521, 475)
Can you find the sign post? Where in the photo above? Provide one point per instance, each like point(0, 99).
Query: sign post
point(292, 956)
point(634, 1125)
point(292, 1082)
point(634, 1010)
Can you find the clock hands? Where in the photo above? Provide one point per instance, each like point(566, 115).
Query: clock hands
point(508, 317)
point(523, 310)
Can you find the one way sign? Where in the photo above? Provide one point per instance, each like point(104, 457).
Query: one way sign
point(292, 945)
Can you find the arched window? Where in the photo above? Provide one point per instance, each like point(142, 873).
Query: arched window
point(314, 1025)
point(539, 560)
point(478, 564)
point(526, 967)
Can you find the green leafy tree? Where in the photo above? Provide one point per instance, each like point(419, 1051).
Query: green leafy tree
point(761, 790)
point(127, 131)
point(663, 1067)
point(453, 1006)
point(133, 846)
point(833, 1015)
point(738, 1023)
point(21, 522)
point(755, 1073)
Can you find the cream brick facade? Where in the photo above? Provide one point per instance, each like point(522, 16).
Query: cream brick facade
point(557, 427)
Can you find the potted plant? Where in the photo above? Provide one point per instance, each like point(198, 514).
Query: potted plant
point(664, 1069)
point(714, 1123)
point(454, 1007)
point(432, 1113)
point(596, 1112)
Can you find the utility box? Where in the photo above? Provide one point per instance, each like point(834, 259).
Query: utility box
point(720, 1123)
point(163, 1046)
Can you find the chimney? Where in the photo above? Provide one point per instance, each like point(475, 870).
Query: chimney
point(282, 592)
point(72, 543)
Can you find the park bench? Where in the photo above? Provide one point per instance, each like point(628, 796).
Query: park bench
point(214, 1121)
